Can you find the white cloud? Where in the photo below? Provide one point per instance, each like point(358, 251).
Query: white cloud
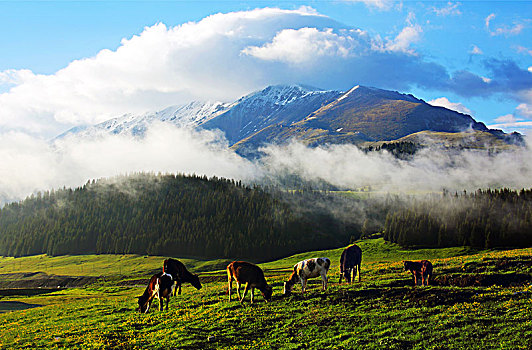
point(404, 39)
point(508, 118)
point(475, 50)
point(377, 4)
point(506, 30)
point(444, 102)
point(31, 164)
point(450, 9)
point(522, 49)
point(511, 122)
point(159, 67)
point(521, 127)
point(221, 57)
point(308, 44)
point(408, 35)
point(346, 166)
point(525, 109)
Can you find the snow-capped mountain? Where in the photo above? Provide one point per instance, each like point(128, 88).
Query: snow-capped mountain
point(188, 115)
point(279, 104)
point(280, 113)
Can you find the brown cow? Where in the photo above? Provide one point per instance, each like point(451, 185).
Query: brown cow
point(421, 269)
point(160, 286)
point(180, 274)
point(251, 275)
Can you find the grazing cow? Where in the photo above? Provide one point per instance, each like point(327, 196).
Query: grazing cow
point(421, 269)
point(160, 286)
point(350, 261)
point(306, 269)
point(180, 274)
point(251, 275)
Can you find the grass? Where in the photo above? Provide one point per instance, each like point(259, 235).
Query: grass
point(98, 265)
point(384, 311)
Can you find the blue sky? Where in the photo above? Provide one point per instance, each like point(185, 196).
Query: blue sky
point(473, 56)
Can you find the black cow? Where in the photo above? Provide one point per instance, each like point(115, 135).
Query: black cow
point(180, 274)
point(349, 261)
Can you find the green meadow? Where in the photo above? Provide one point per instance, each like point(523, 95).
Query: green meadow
point(478, 300)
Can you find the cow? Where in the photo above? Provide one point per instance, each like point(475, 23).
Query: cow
point(306, 269)
point(180, 274)
point(251, 275)
point(159, 286)
point(421, 269)
point(349, 262)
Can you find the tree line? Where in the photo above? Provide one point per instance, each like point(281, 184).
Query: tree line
point(482, 219)
point(172, 215)
point(196, 216)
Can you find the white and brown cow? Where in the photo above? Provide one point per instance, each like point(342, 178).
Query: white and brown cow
point(160, 286)
point(306, 269)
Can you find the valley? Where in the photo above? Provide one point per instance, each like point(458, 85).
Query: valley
point(384, 310)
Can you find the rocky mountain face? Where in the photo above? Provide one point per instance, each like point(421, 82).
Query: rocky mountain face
point(275, 105)
point(280, 113)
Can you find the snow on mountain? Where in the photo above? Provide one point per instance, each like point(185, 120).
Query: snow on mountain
point(279, 104)
point(188, 115)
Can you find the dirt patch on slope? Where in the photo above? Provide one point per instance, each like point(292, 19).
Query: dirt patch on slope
point(43, 280)
point(483, 280)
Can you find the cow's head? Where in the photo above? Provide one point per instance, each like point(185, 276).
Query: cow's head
point(267, 293)
point(347, 275)
point(195, 282)
point(143, 304)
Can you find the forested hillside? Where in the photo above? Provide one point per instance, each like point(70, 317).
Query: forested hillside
point(167, 215)
point(483, 219)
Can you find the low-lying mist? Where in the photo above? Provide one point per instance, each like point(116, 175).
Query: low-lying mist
point(30, 164)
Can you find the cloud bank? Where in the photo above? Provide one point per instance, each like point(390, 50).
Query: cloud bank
point(30, 165)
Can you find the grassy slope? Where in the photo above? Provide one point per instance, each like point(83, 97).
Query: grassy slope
point(98, 265)
point(383, 311)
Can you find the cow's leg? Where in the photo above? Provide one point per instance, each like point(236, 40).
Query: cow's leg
point(358, 272)
point(238, 290)
point(350, 276)
point(341, 273)
point(303, 285)
point(252, 292)
point(179, 291)
point(245, 292)
point(324, 282)
point(229, 286)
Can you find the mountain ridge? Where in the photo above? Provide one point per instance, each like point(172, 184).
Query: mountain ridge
point(280, 113)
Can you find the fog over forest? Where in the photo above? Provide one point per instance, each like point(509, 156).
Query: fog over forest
point(40, 165)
